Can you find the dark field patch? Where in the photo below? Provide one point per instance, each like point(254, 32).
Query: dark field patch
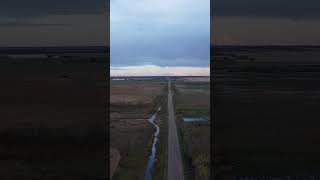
point(266, 112)
point(53, 120)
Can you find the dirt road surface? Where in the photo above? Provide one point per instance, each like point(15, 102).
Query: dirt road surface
point(114, 160)
point(175, 169)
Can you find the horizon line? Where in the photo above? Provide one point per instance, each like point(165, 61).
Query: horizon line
point(162, 76)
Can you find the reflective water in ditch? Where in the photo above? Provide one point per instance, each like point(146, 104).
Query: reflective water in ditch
point(152, 156)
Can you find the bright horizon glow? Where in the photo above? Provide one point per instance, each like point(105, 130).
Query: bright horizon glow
point(154, 70)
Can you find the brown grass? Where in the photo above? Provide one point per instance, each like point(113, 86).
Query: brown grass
point(194, 99)
point(132, 102)
point(133, 94)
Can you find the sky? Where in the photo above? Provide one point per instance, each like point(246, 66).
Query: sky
point(159, 37)
point(53, 23)
point(265, 22)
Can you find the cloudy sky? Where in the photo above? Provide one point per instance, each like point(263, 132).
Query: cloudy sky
point(265, 22)
point(160, 37)
point(53, 22)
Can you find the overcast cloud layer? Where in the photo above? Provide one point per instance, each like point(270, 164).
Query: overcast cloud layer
point(31, 8)
point(54, 23)
point(160, 32)
point(266, 8)
point(265, 22)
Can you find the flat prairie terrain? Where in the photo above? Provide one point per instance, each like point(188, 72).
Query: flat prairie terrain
point(134, 93)
point(196, 79)
point(266, 115)
point(192, 99)
point(53, 118)
point(132, 103)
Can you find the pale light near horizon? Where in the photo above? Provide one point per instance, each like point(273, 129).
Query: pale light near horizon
point(154, 70)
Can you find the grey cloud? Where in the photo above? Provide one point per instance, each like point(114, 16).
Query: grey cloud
point(264, 31)
point(61, 30)
point(26, 24)
point(266, 8)
point(27, 8)
point(117, 68)
point(160, 32)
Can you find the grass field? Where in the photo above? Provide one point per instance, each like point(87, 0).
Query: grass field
point(265, 111)
point(132, 103)
point(53, 118)
point(192, 99)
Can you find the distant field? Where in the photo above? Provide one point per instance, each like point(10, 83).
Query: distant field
point(132, 103)
point(196, 79)
point(192, 99)
point(134, 92)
